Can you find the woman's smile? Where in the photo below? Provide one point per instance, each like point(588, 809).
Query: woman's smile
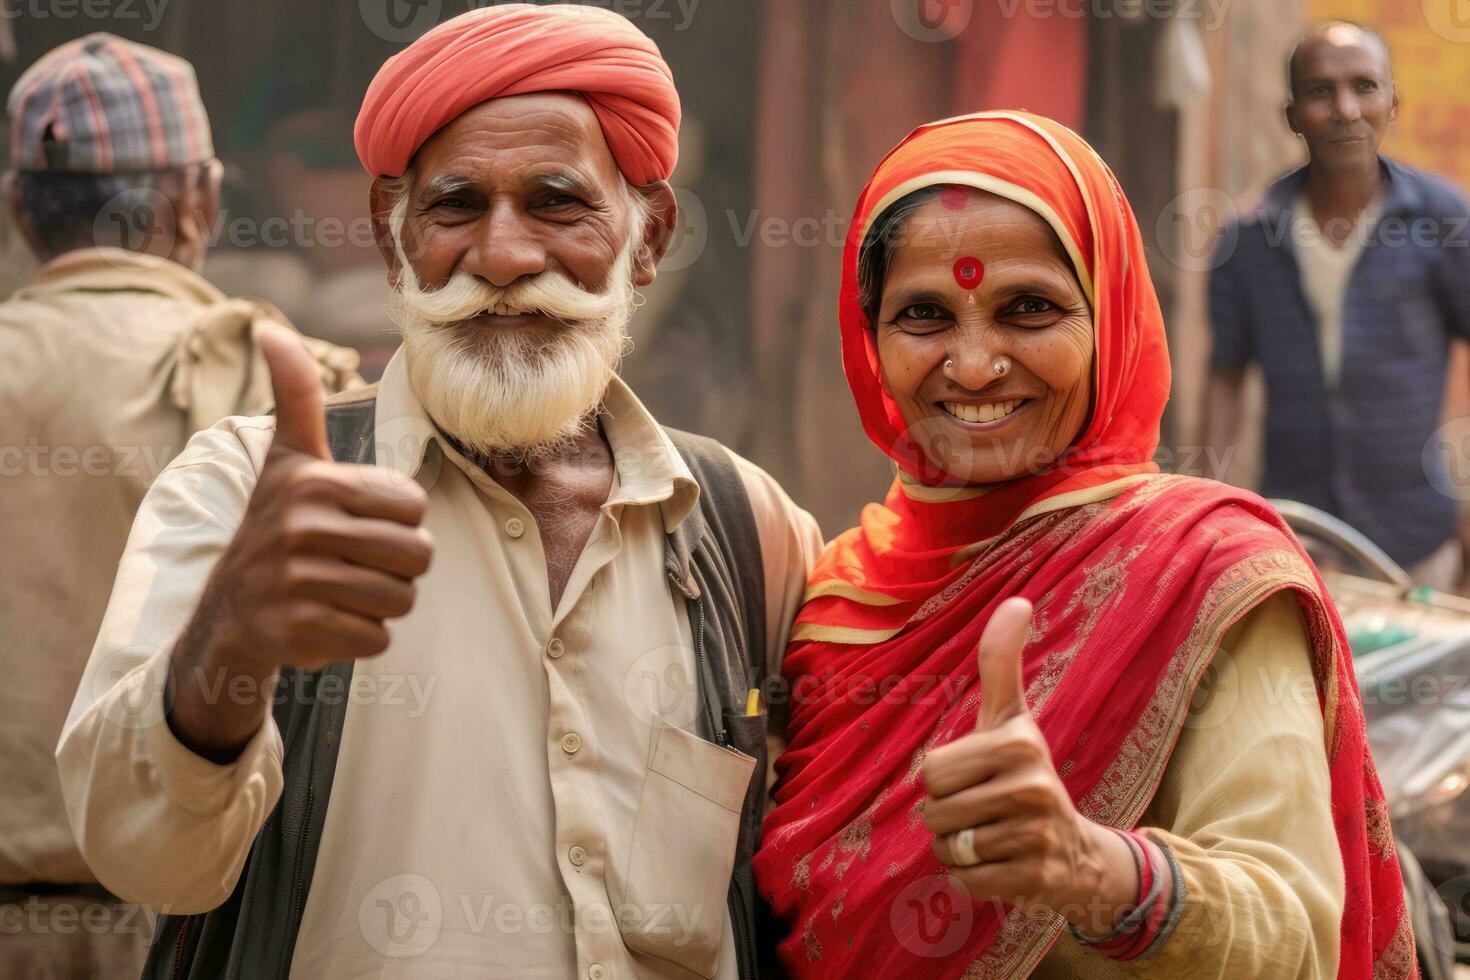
point(988, 416)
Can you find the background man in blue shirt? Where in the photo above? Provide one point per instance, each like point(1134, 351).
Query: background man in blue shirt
point(1346, 284)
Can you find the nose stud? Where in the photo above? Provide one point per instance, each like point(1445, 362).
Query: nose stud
point(1001, 367)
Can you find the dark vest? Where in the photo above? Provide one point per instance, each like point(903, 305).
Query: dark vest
point(714, 562)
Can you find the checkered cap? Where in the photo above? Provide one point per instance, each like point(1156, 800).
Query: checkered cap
point(101, 104)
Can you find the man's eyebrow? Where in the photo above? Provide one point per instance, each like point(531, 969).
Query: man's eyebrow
point(445, 184)
point(566, 183)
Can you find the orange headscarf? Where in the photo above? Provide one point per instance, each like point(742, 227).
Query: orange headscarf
point(913, 545)
point(516, 49)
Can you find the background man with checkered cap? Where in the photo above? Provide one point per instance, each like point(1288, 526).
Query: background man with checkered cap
point(110, 359)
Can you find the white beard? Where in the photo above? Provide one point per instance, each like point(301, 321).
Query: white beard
point(497, 392)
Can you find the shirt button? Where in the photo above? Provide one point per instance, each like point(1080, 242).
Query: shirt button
point(555, 648)
point(570, 743)
point(515, 527)
point(596, 972)
point(577, 855)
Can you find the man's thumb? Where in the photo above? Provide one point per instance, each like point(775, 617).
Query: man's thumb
point(1002, 692)
point(297, 386)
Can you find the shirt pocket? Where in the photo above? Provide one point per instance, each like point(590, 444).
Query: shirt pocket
point(683, 850)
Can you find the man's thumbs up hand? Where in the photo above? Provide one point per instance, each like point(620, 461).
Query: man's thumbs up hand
point(325, 554)
point(1001, 817)
point(301, 421)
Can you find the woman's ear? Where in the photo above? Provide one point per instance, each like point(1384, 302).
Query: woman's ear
point(658, 230)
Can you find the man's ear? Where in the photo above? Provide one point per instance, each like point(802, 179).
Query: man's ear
point(1393, 110)
point(1292, 122)
point(380, 206)
point(9, 187)
point(195, 214)
point(658, 230)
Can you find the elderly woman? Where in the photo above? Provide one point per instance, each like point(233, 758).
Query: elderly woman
point(1156, 765)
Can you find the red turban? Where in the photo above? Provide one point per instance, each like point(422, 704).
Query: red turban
point(515, 49)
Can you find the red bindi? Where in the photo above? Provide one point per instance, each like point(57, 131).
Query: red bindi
point(953, 196)
point(968, 272)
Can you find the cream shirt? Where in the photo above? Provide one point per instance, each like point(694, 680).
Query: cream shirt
point(1245, 803)
point(496, 759)
point(109, 361)
point(1324, 269)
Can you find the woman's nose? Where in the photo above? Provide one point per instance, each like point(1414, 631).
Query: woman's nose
point(972, 365)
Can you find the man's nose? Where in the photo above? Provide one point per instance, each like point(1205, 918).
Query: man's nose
point(506, 248)
point(1345, 107)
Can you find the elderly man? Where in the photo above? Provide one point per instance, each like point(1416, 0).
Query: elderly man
point(110, 359)
point(1350, 316)
point(551, 763)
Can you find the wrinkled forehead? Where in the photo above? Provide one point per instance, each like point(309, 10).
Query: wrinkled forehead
point(507, 141)
point(959, 220)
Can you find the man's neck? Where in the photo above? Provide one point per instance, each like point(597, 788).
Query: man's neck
point(1342, 193)
point(586, 459)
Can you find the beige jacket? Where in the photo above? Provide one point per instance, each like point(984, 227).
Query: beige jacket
point(109, 361)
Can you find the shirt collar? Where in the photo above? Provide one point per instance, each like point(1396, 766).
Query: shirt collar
point(649, 467)
point(1399, 193)
point(117, 269)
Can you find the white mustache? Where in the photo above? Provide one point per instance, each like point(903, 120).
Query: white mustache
point(550, 293)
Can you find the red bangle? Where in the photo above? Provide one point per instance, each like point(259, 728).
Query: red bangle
point(1154, 921)
point(1114, 946)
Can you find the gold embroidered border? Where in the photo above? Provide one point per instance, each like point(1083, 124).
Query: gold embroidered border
point(846, 590)
point(840, 634)
point(1397, 961)
point(1124, 791)
point(1077, 498)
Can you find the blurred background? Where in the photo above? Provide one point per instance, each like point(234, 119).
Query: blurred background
point(788, 105)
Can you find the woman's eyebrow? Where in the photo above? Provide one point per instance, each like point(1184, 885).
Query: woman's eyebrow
point(908, 296)
point(1033, 284)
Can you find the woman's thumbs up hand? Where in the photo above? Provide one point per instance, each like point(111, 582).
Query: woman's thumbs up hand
point(1002, 820)
point(1002, 692)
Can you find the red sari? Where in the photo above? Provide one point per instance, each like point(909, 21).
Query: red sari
point(1135, 577)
